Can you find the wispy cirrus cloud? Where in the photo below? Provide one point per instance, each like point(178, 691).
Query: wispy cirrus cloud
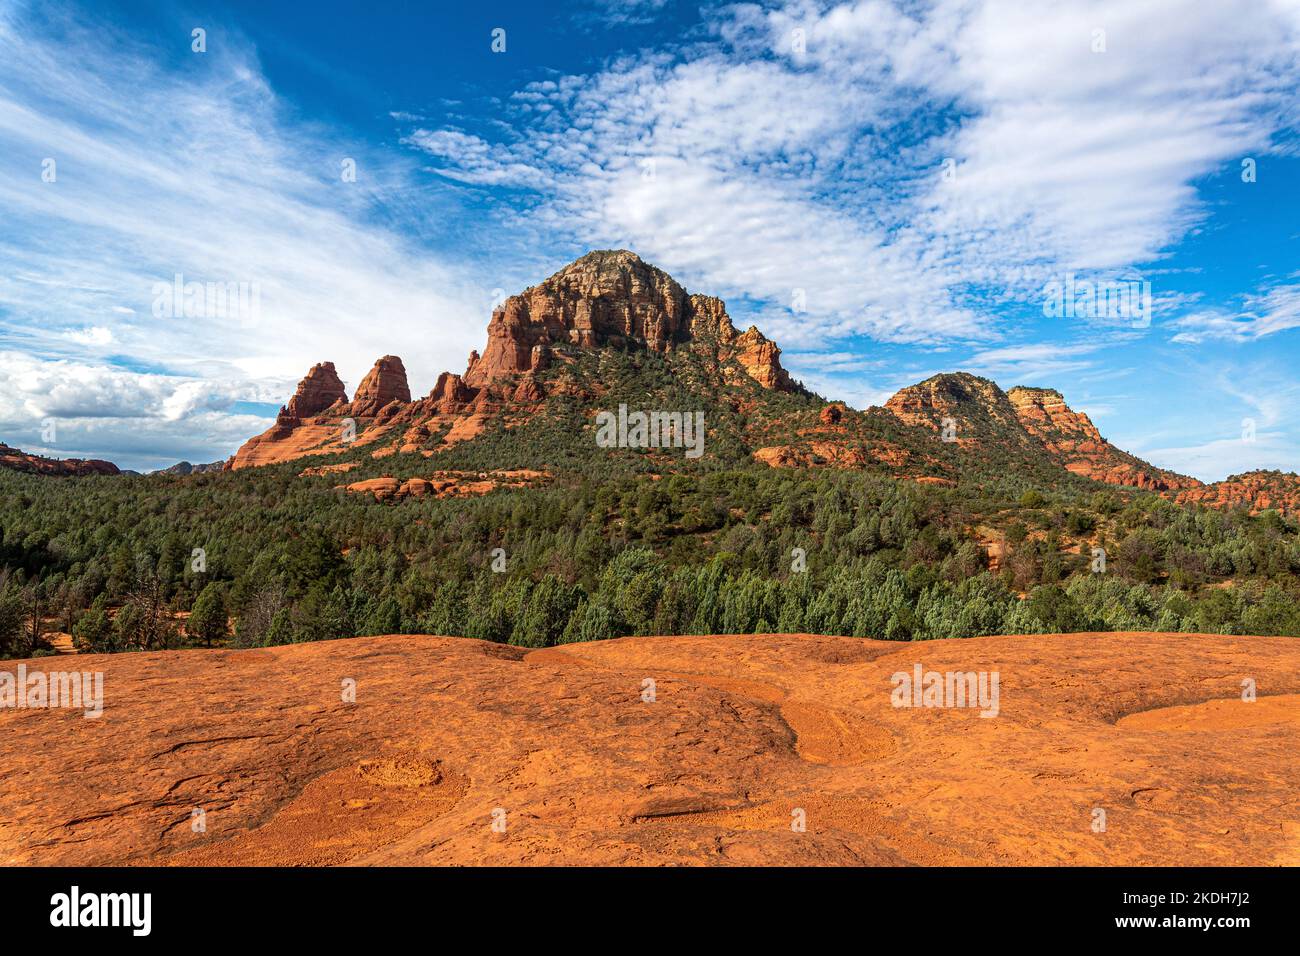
point(1264, 314)
point(1032, 363)
point(118, 174)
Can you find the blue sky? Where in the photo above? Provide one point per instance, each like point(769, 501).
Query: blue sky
point(885, 188)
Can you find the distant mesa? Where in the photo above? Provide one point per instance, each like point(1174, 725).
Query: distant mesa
point(185, 468)
point(1255, 491)
point(17, 460)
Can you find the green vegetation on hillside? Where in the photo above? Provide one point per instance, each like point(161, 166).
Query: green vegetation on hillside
point(694, 548)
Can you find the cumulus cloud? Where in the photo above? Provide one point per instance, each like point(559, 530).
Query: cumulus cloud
point(904, 167)
point(70, 409)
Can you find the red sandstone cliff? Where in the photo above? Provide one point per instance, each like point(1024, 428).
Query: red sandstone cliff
point(383, 384)
point(1254, 490)
point(614, 298)
point(605, 299)
point(1073, 439)
point(320, 389)
point(17, 460)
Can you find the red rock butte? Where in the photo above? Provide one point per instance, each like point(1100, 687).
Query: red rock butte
point(615, 300)
point(605, 299)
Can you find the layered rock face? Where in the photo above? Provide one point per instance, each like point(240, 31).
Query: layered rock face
point(1073, 439)
point(761, 359)
point(966, 399)
point(384, 383)
point(603, 300)
point(319, 389)
point(303, 425)
point(614, 298)
point(1043, 411)
point(1028, 418)
point(1254, 490)
point(18, 460)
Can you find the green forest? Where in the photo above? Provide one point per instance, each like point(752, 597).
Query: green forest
point(263, 556)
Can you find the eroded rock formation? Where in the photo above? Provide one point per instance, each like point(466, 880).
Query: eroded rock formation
point(320, 389)
point(1255, 491)
point(1073, 439)
point(18, 460)
point(603, 300)
point(614, 298)
point(383, 384)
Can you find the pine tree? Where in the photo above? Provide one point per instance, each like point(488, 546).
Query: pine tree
point(208, 619)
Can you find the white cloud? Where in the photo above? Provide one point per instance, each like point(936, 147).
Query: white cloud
point(40, 388)
point(1033, 364)
point(94, 335)
point(751, 165)
point(197, 172)
point(1264, 314)
point(475, 161)
point(141, 420)
point(1217, 459)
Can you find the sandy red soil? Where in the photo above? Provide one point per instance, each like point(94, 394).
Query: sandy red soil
point(448, 735)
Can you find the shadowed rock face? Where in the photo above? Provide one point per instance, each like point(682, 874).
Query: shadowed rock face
point(187, 468)
point(743, 731)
